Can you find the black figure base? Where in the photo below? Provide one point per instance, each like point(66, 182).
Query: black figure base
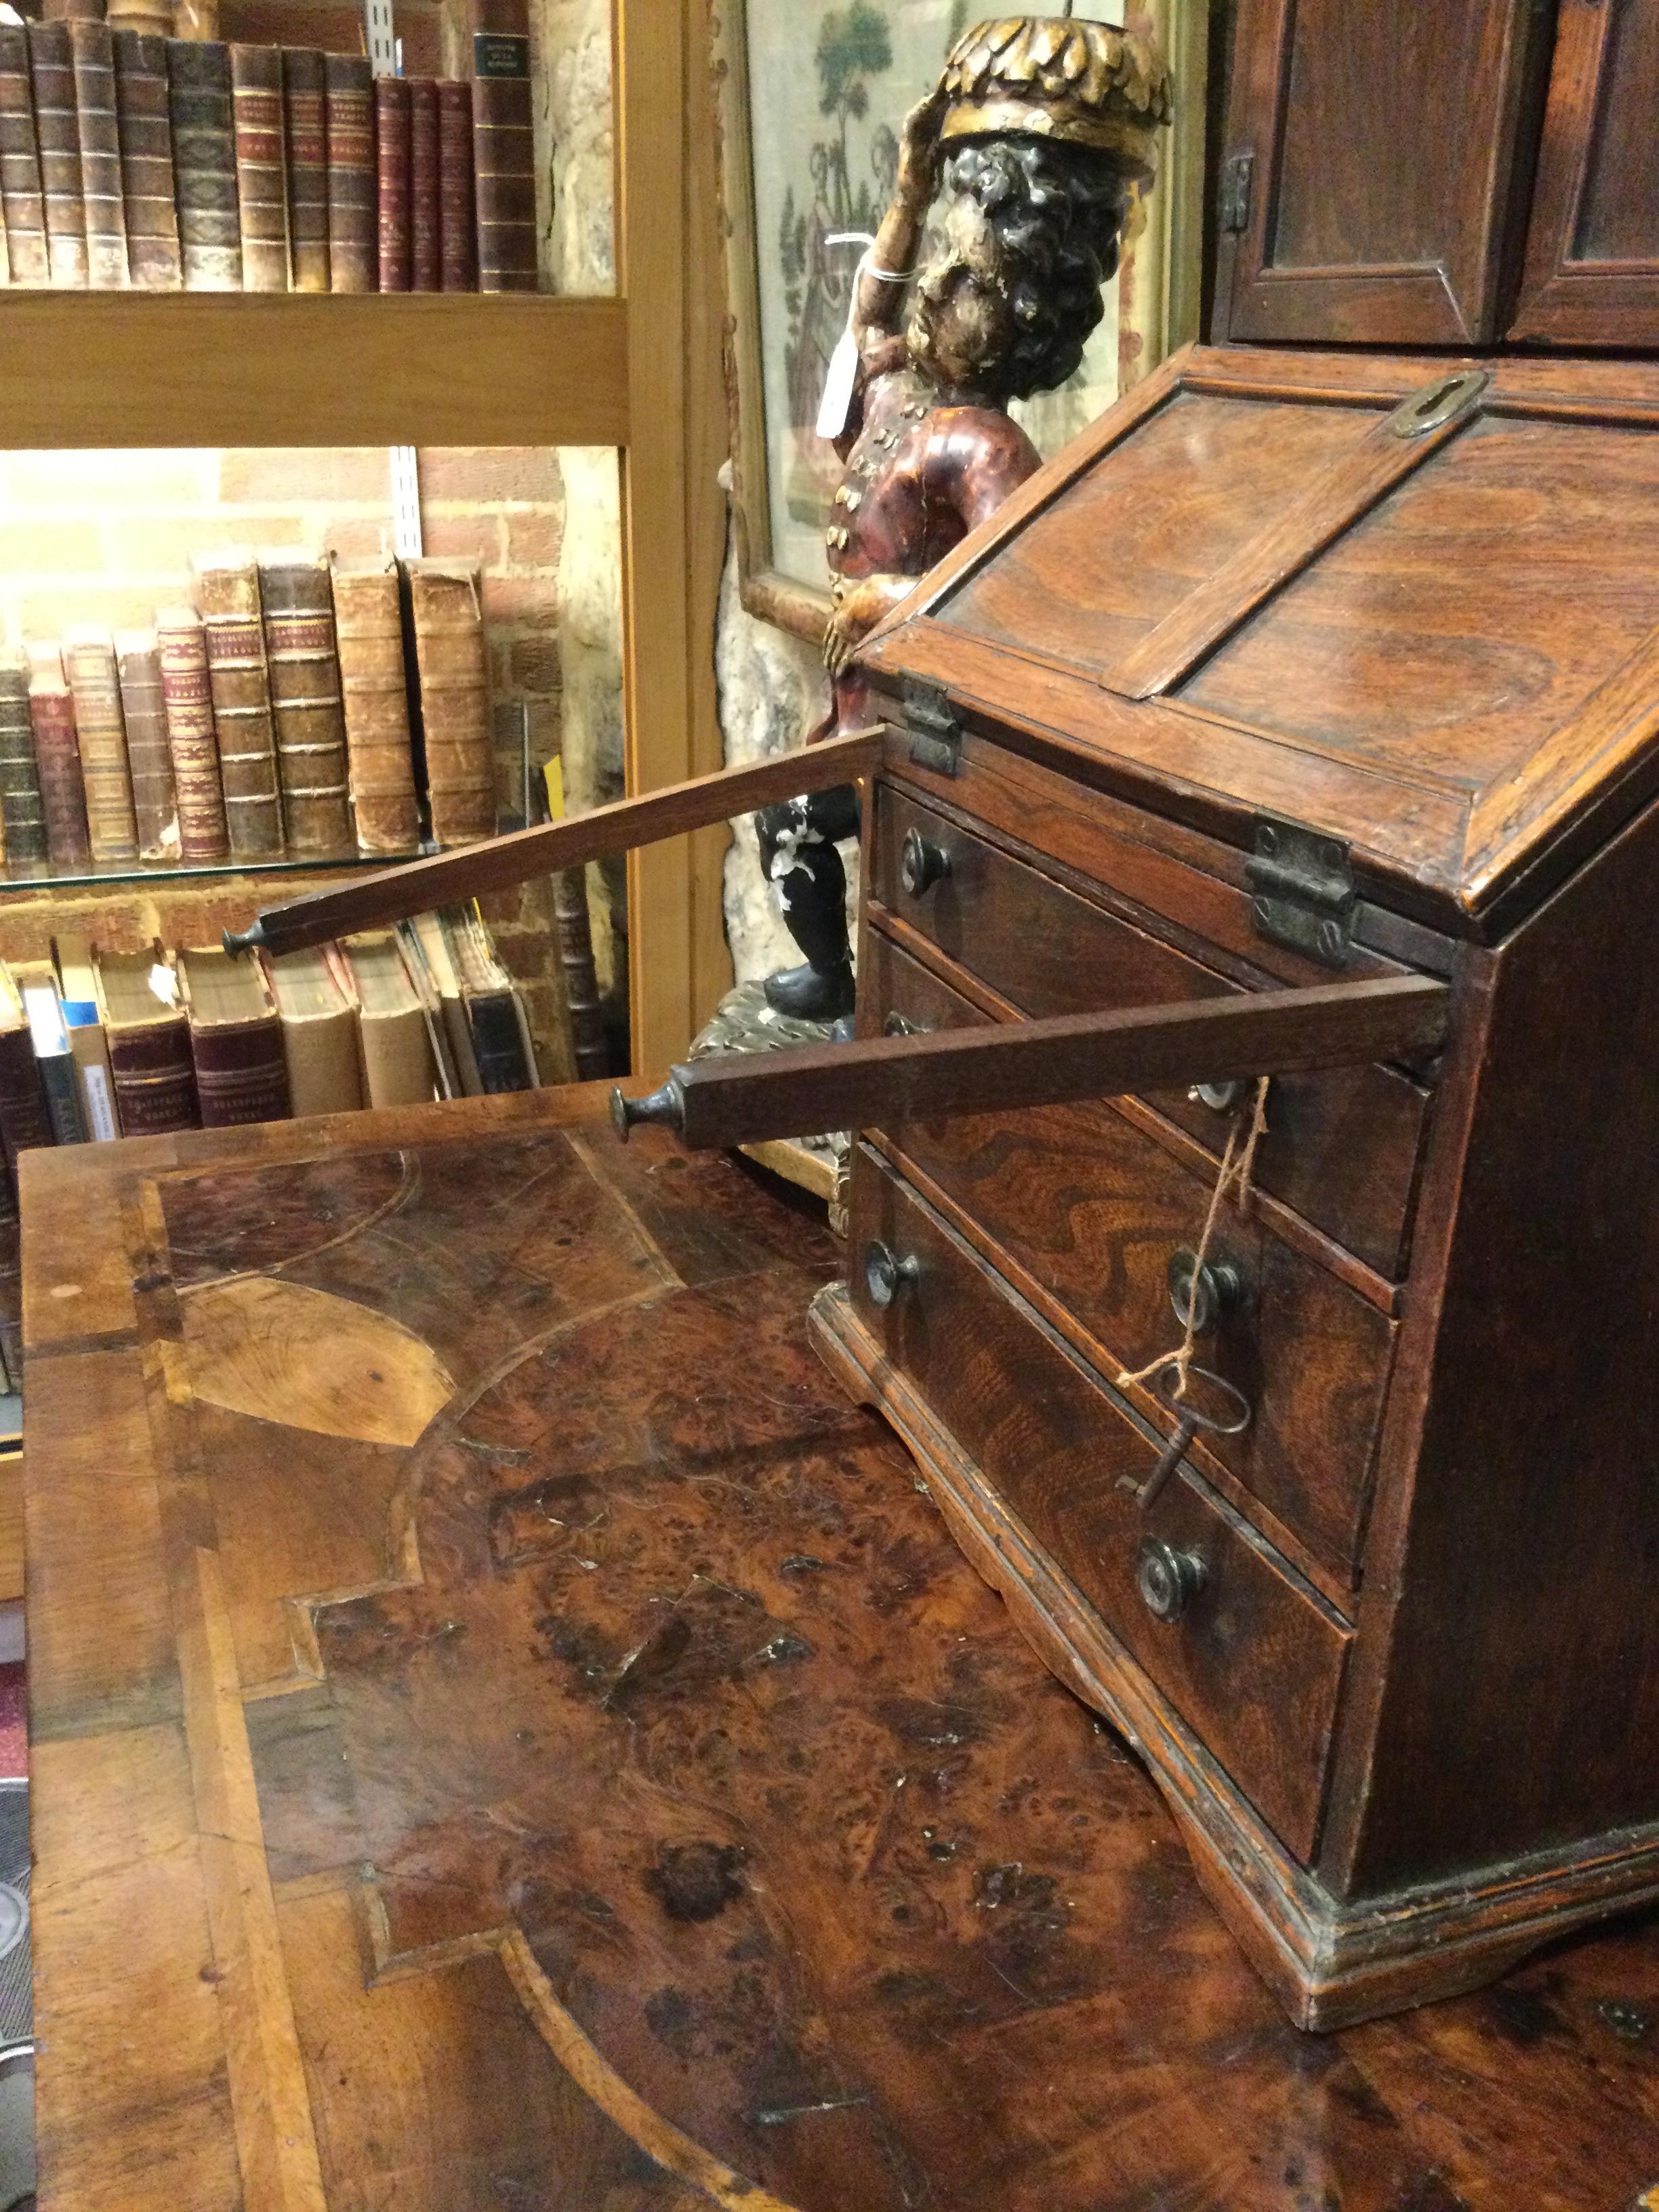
point(797, 841)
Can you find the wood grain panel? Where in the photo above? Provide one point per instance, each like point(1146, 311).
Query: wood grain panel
point(1096, 1211)
point(150, 368)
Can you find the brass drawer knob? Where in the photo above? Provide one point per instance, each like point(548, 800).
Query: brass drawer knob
point(886, 1273)
point(1203, 1296)
point(1169, 1580)
point(921, 863)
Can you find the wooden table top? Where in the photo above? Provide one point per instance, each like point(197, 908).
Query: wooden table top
point(509, 1736)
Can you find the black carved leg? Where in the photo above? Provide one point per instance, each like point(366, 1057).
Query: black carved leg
point(798, 850)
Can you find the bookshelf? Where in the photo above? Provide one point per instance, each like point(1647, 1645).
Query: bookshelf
point(46, 877)
point(641, 372)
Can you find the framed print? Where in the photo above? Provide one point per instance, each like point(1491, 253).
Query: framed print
point(813, 97)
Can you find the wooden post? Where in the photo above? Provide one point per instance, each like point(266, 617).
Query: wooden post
point(668, 599)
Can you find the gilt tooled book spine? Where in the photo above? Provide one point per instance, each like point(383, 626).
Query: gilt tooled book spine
point(449, 651)
point(149, 761)
point(353, 251)
point(146, 128)
point(256, 87)
point(102, 194)
point(21, 813)
point(425, 220)
point(241, 1068)
point(458, 212)
point(20, 198)
point(89, 665)
point(303, 100)
point(374, 682)
point(391, 171)
point(192, 741)
point(204, 164)
point(503, 151)
point(51, 73)
point(57, 759)
point(228, 597)
point(305, 695)
point(154, 1076)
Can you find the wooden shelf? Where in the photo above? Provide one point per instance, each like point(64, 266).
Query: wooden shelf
point(20, 876)
point(208, 368)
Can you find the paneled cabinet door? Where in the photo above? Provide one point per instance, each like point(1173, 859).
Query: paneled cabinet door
point(1375, 167)
point(1592, 275)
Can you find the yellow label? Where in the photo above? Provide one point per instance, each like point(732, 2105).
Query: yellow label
point(554, 772)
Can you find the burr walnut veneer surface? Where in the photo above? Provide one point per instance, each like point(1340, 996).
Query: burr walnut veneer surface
point(508, 1732)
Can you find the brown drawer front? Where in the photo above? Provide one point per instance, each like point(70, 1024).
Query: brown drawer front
point(1094, 1210)
point(1342, 1146)
point(1254, 1664)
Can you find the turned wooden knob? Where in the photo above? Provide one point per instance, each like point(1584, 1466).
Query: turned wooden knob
point(886, 1273)
point(921, 863)
point(666, 1107)
point(1203, 1296)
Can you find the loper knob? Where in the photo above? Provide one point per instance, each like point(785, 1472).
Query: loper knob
point(666, 1106)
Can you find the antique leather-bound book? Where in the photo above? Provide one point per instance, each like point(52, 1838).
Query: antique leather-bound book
point(431, 944)
point(228, 598)
point(20, 201)
point(52, 72)
point(23, 1118)
point(78, 988)
point(21, 811)
point(425, 238)
point(352, 251)
point(305, 697)
point(503, 147)
point(256, 87)
point(449, 648)
point(574, 923)
point(143, 111)
point(58, 758)
point(89, 666)
point(150, 758)
point(192, 736)
point(36, 982)
point(319, 1031)
point(148, 1034)
point(102, 192)
point(398, 1068)
point(204, 164)
point(458, 210)
point(305, 101)
point(235, 1040)
point(495, 1013)
point(393, 233)
point(368, 624)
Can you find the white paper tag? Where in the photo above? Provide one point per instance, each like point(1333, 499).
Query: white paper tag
point(100, 1107)
point(842, 377)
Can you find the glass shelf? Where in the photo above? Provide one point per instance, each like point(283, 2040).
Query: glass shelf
point(42, 875)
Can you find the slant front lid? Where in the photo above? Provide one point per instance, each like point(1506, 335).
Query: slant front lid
point(1408, 602)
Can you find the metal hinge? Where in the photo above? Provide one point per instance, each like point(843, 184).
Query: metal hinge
point(935, 733)
point(1234, 199)
point(1303, 890)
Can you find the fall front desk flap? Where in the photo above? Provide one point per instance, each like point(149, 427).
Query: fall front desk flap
point(1408, 601)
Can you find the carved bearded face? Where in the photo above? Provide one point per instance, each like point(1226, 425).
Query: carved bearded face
point(960, 324)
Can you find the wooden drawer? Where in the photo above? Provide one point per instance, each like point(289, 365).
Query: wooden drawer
point(1094, 1209)
point(1254, 1663)
point(1342, 1146)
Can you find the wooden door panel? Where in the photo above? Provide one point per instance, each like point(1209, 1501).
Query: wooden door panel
point(1388, 150)
point(1592, 275)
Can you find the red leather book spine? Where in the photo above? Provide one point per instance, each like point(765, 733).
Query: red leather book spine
point(392, 169)
point(58, 756)
point(458, 212)
point(51, 73)
point(154, 1076)
point(256, 86)
point(21, 202)
point(146, 132)
point(503, 152)
point(426, 250)
point(187, 696)
point(241, 1072)
point(308, 167)
point(353, 253)
point(101, 194)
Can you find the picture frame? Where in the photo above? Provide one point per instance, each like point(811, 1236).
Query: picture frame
point(833, 79)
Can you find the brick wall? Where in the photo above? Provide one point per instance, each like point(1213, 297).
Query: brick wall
point(106, 537)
